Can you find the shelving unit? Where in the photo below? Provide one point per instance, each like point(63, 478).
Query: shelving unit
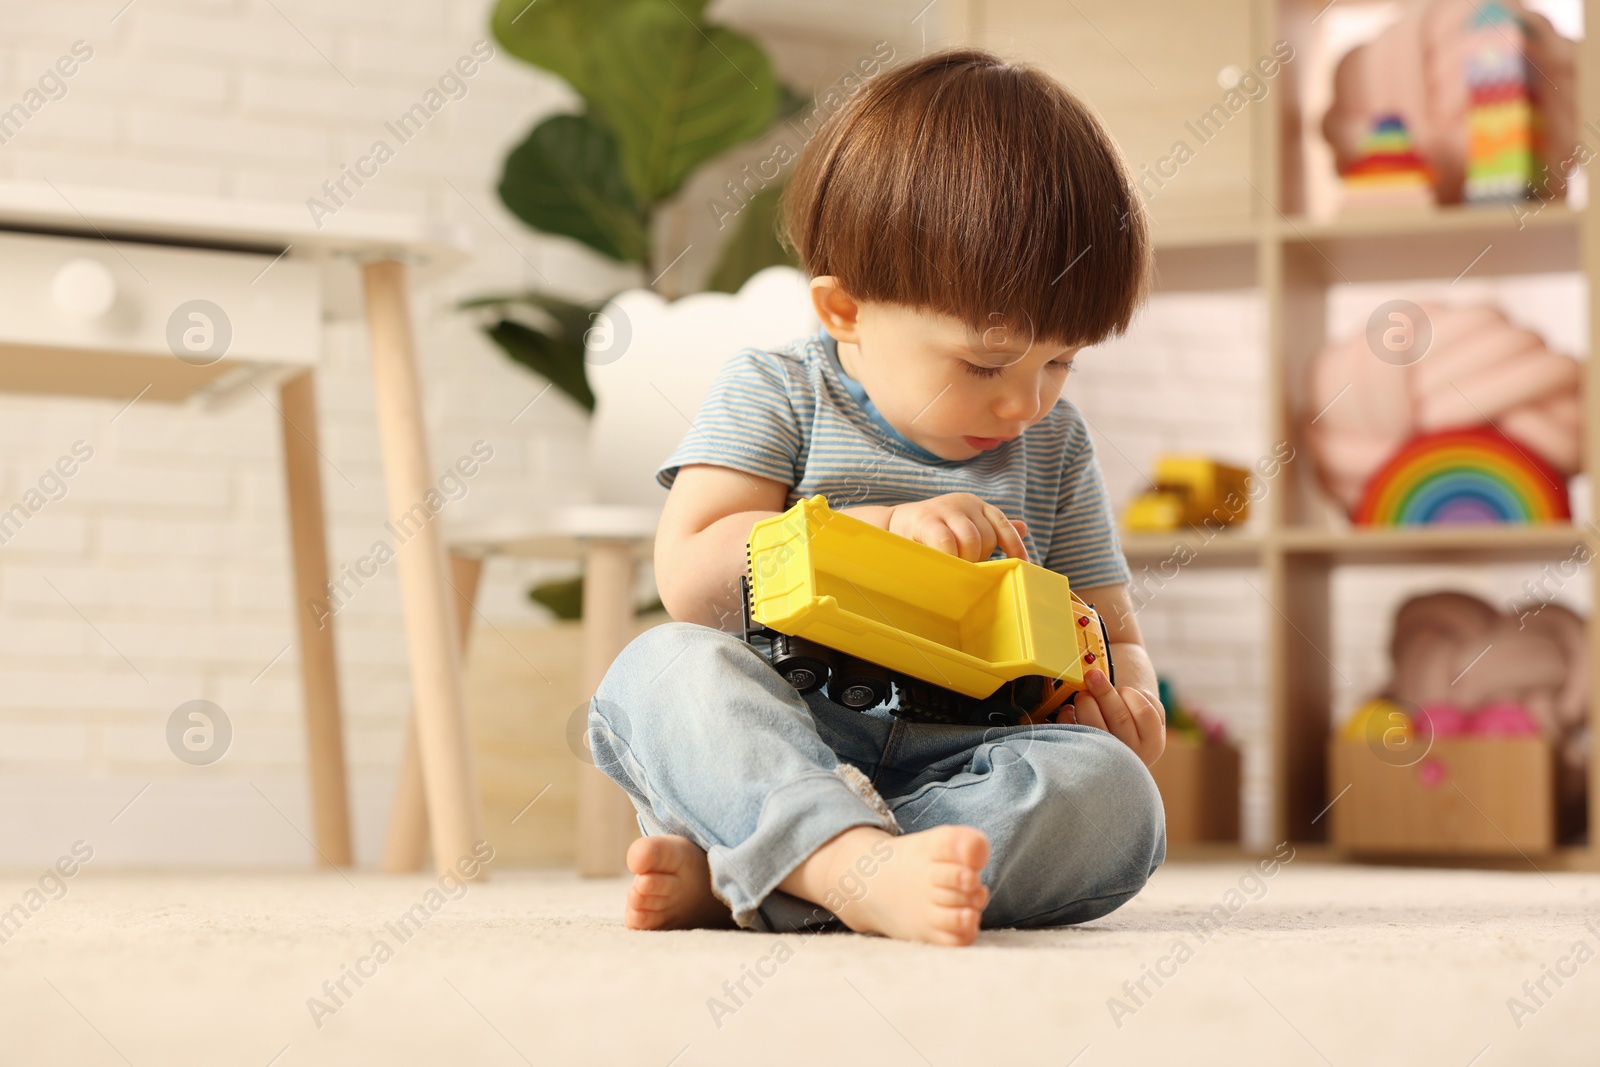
point(1249, 229)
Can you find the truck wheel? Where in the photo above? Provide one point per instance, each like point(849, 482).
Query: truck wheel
point(859, 685)
point(805, 674)
point(1029, 692)
point(802, 663)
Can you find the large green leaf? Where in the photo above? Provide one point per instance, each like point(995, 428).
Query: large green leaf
point(567, 178)
point(570, 319)
point(753, 245)
point(676, 92)
point(563, 36)
point(564, 598)
point(558, 358)
point(790, 103)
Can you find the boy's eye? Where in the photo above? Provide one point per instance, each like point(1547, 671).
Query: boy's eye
point(989, 372)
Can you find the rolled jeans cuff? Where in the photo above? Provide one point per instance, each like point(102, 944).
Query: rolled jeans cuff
point(796, 819)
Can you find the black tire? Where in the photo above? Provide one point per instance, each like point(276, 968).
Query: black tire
point(803, 664)
point(1029, 692)
point(859, 685)
point(804, 673)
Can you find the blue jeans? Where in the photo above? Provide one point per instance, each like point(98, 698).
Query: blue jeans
point(710, 742)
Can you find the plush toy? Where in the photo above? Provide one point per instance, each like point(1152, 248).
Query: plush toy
point(1472, 669)
point(1504, 719)
point(1439, 719)
point(1478, 366)
point(1417, 70)
point(1397, 725)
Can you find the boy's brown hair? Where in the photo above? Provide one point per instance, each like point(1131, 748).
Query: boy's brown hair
point(973, 187)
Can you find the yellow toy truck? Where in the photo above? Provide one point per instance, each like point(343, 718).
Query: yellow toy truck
point(1190, 490)
point(873, 615)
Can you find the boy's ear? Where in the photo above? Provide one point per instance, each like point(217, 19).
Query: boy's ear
point(836, 308)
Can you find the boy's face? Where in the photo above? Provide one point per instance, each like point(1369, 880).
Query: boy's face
point(951, 389)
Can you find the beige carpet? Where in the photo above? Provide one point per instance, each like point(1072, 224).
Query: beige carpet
point(1326, 965)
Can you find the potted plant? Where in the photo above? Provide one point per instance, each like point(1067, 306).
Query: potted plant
point(662, 92)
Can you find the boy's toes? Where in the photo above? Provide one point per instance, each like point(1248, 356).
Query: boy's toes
point(650, 854)
point(971, 849)
point(643, 898)
point(634, 919)
point(957, 876)
point(966, 846)
point(655, 885)
point(959, 926)
point(946, 897)
point(671, 886)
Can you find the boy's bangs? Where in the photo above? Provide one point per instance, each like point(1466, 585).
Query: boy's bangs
point(979, 189)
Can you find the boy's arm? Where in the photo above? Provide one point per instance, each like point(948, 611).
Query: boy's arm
point(700, 550)
point(1130, 711)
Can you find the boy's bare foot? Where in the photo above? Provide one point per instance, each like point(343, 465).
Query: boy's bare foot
point(671, 886)
point(924, 886)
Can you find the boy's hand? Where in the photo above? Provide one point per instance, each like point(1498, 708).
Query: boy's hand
point(1133, 716)
point(960, 524)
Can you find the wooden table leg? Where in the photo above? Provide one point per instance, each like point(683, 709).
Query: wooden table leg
point(319, 675)
point(606, 819)
point(406, 847)
point(455, 813)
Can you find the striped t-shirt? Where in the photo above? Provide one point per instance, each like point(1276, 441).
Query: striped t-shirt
point(793, 415)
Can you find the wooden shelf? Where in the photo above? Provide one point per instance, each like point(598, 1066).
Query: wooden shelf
point(1207, 234)
point(1441, 243)
point(1194, 548)
point(1356, 547)
point(1561, 858)
point(1230, 218)
point(1201, 267)
point(1447, 243)
point(1436, 544)
point(1207, 256)
point(1408, 224)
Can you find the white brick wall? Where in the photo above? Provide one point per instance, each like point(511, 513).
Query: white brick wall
point(1188, 377)
point(171, 542)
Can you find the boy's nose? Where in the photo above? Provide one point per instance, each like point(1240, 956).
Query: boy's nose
point(1018, 407)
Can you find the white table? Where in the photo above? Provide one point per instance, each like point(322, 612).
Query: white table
point(57, 338)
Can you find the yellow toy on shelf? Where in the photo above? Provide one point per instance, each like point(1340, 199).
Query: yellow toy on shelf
point(868, 613)
point(1190, 490)
point(1381, 720)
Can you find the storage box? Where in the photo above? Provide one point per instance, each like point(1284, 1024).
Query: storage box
point(1464, 796)
point(1199, 786)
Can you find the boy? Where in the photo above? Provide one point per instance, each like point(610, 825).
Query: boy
point(968, 226)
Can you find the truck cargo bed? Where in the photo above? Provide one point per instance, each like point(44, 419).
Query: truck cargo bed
point(968, 627)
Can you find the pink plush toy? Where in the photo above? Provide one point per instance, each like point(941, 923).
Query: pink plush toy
point(1474, 669)
point(1441, 720)
point(1416, 69)
point(1503, 719)
point(1478, 366)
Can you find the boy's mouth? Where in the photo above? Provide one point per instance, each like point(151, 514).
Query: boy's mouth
point(985, 443)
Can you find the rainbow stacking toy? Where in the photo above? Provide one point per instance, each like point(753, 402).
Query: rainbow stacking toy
point(1390, 172)
point(1474, 475)
point(1502, 121)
